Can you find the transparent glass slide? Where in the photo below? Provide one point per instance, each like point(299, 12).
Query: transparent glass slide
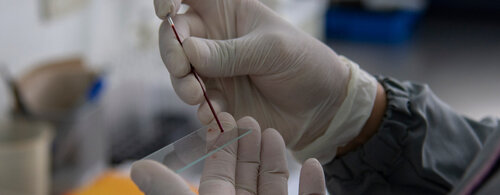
point(195, 147)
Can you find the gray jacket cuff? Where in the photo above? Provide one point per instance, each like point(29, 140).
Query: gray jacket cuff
point(390, 162)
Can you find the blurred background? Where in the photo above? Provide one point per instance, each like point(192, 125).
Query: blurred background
point(84, 92)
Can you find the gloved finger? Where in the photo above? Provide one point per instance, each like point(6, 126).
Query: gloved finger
point(218, 101)
point(188, 89)
point(202, 6)
point(155, 179)
point(190, 23)
point(273, 176)
point(214, 138)
point(171, 51)
point(219, 168)
point(166, 7)
point(247, 168)
point(312, 179)
point(216, 58)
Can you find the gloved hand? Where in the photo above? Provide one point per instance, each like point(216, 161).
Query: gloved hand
point(256, 164)
point(255, 63)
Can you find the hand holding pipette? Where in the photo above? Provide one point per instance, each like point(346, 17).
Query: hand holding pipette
point(197, 78)
point(254, 63)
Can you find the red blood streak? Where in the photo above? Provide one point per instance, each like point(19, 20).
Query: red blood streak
point(199, 81)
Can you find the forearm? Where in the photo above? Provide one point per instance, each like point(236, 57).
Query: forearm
point(372, 124)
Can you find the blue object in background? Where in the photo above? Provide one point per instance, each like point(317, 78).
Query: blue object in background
point(95, 89)
point(362, 25)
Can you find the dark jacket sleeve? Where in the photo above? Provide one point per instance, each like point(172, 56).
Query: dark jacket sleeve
point(421, 147)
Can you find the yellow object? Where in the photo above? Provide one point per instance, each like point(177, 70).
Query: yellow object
point(193, 189)
point(109, 183)
point(113, 183)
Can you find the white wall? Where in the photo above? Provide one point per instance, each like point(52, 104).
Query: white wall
point(108, 34)
point(25, 39)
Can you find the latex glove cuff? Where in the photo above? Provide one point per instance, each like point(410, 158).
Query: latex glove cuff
point(349, 119)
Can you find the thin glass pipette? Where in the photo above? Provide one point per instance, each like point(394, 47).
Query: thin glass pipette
point(196, 76)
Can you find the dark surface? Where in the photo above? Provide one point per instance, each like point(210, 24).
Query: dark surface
point(458, 56)
point(130, 145)
point(421, 147)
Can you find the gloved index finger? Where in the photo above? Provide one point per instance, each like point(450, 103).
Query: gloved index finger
point(247, 169)
point(219, 168)
point(273, 173)
point(171, 51)
point(312, 179)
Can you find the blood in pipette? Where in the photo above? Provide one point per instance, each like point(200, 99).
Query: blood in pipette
point(198, 79)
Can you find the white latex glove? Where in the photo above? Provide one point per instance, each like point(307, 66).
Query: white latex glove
point(256, 164)
point(255, 63)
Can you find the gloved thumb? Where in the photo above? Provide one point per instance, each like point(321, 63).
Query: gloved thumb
point(215, 58)
point(166, 7)
point(312, 179)
point(153, 178)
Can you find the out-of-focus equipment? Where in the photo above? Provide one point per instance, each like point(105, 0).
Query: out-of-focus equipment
point(54, 90)
point(24, 149)
point(25, 157)
point(380, 21)
point(62, 93)
point(19, 107)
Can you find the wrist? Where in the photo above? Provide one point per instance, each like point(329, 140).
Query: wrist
point(350, 119)
point(371, 125)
